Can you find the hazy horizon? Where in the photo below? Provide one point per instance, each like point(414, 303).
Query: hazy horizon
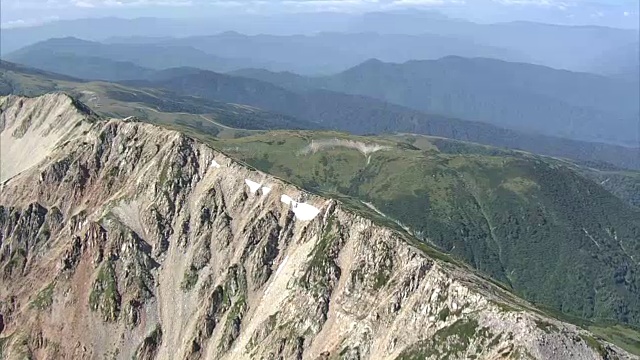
point(611, 13)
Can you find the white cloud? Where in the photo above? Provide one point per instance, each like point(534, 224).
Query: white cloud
point(13, 24)
point(61, 4)
point(428, 2)
point(562, 5)
point(83, 4)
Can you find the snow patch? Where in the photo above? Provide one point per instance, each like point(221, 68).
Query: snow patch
point(253, 186)
point(215, 164)
point(266, 190)
point(304, 212)
point(286, 199)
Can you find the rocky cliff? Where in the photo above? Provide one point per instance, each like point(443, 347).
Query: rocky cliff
point(124, 240)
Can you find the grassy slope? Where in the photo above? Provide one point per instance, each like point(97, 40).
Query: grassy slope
point(556, 238)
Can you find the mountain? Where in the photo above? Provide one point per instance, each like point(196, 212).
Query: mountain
point(575, 48)
point(122, 239)
point(331, 52)
point(517, 217)
point(209, 94)
point(322, 53)
point(518, 96)
point(622, 62)
point(365, 115)
point(63, 54)
point(86, 67)
point(154, 105)
point(391, 36)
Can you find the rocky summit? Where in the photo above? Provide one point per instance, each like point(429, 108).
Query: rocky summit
point(121, 240)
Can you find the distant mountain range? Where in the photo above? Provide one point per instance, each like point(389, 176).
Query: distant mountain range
point(353, 113)
point(324, 53)
point(340, 41)
point(119, 61)
point(153, 105)
point(518, 96)
point(365, 115)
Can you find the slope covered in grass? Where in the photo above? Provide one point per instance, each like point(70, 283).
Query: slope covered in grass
point(555, 237)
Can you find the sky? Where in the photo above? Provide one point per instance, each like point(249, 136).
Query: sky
point(616, 13)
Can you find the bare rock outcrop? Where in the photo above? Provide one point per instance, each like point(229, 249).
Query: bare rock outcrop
point(122, 239)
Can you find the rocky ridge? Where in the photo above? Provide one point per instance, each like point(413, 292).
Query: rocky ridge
point(120, 239)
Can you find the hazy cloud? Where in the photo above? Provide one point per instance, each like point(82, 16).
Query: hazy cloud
point(21, 12)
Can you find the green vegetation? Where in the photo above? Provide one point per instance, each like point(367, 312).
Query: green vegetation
point(44, 299)
point(452, 341)
point(149, 346)
point(190, 278)
point(623, 184)
point(166, 97)
point(625, 337)
point(182, 112)
point(321, 265)
point(547, 327)
point(520, 96)
point(516, 217)
point(444, 314)
point(594, 344)
point(235, 296)
point(104, 296)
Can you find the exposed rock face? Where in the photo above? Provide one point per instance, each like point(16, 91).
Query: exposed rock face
point(121, 240)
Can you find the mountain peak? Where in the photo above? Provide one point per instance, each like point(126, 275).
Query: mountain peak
point(152, 236)
point(32, 127)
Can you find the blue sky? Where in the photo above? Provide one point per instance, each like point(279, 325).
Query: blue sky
point(622, 13)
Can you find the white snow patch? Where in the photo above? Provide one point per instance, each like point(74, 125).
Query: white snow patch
point(286, 199)
point(253, 186)
point(215, 164)
point(266, 190)
point(304, 212)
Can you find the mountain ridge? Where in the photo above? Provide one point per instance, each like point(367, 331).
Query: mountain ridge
point(150, 56)
point(518, 96)
point(122, 258)
point(360, 115)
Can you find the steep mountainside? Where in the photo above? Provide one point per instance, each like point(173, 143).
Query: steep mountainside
point(553, 236)
point(125, 240)
point(518, 96)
